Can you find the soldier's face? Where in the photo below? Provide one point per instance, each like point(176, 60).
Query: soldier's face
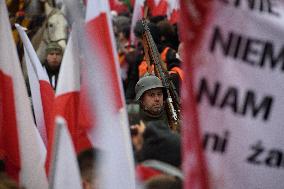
point(54, 59)
point(152, 101)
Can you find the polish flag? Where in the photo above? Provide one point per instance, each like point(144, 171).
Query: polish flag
point(41, 91)
point(111, 134)
point(173, 11)
point(169, 8)
point(118, 6)
point(158, 7)
point(69, 102)
point(64, 171)
point(21, 146)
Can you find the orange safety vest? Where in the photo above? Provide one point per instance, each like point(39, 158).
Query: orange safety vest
point(143, 67)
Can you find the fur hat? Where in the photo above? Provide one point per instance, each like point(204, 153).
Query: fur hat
point(53, 46)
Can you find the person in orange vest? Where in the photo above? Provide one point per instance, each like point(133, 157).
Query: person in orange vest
point(168, 34)
point(168, 56)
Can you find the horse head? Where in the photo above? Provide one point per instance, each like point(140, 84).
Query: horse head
point(54, 29)
point(56, 26)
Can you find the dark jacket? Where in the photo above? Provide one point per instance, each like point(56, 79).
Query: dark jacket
point(147, 117)
point(52, 75)
point(160, 143)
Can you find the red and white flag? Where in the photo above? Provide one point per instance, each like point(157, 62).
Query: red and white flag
point(41, 91)
point(69, 103)
point(173, 11)
point(118, 6)
point(21, 146)
point(68, 100)
point(137, 15)
point(65, 171)
point(111, 133)
point(169, 8)
point(158, 7)
point(234, 93)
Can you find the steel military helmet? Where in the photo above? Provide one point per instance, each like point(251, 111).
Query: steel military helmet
point(147, 83)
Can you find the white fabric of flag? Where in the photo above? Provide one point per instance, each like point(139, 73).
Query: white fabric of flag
point(32, 153)
point(137, 14)
point(35, 73)
point(64, 167)
point(111, 136)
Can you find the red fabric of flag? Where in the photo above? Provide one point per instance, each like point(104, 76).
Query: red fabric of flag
point(194, 166)
point(9, 144)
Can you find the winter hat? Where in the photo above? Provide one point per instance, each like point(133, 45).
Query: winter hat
point(122, 21)
point(160, 143)
point(53, 46)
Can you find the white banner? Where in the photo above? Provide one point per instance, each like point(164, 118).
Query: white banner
point(239, 86)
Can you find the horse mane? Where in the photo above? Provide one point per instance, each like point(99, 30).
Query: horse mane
point(38, 37)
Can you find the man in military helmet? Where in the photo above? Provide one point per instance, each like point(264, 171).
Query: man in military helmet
point(149, 92)
point(52, 62)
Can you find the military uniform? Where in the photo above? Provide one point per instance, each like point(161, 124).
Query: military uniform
point(144, 84)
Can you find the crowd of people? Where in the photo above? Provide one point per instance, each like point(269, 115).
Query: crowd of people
point(156, 147)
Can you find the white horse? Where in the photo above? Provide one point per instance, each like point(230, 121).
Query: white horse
point(54, 29)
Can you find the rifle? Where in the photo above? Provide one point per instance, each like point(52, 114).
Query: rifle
point(152, 55)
